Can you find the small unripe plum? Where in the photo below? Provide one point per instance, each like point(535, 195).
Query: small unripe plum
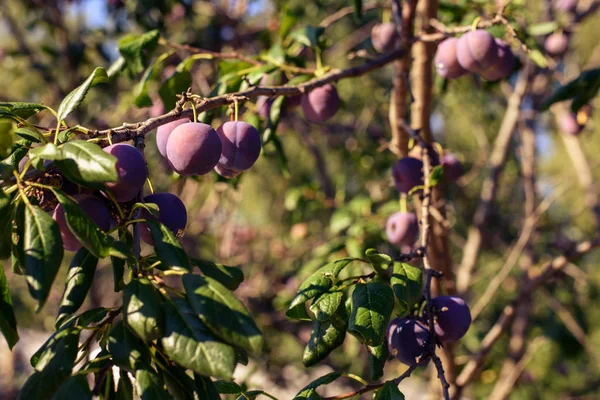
point(193, 149)
point(407, 340)
point(567, 122)
point(131, 171)
point(240, 144)
point(263, 104)
point(321, 103)
point(172, 214)
point(452, 168)
point(566, 6)
point(407, 173)
point(477, 50)
point(504, 64)
point(93, 207)
point(164, 131)
point(402, 229)
point(384, 37)
point(446, 62)
point(557, 44)
point(453, 317)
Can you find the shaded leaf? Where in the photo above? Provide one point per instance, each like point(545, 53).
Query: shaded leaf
point(378, 356)
point(149, 386)
point(74, 99)
point(177, 83)
point(230, 277)
point(372, 305)
point(325, 337)
point(126, 349)
point(407, 285)
point(308, 35)
point(75, 388)
point(137, 50)
point(227, 387)
point(308, 392)
point(20, 109)
point(7, 210)
point(389, 391)
point(142, 310)
point(168, 249)
point(204, 388)
point(8, 322)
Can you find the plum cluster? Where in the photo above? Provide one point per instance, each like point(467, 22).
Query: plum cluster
point(408, 338)
point(476, 51)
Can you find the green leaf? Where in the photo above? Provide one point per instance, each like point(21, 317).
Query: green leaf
point(7, 211)
point(308, 36)
point(543, 28)
point(358, 8)
point(407, 285)
point(308, 392)
point(190, 344)
point(142, 310)
point(177, 83)
point(74, 99)
point(8, 322)
point(118, 273)
point(204, 388)
point(86, 164)
point(316, 284)
point(81, 225)
point(124, 388)
point(325, 337)
point(75, 388)
point(538, 57)
point(222, 312)
point(436, 175)
point(378, 356)
point(228, 387)
point(372, 305)
point(126, 349)
point(149, 386)
point(379, 261)
point(137, 50)
point(31, 134)
point(20, 109)
point(288, 19)
point(326, 304)
point(79, 281)
point(230, 277)
point(273, 121)
point(168, 249)
point(389, 391)
point(581, 89)
point(43, 252)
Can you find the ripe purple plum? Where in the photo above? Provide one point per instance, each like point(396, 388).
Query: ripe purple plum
point(131, 171)
point(566, 6)
point(172, 214)
point(452, 168)
point(93, 207)
point(557, 44)
point(193, 149)
point(453, 317)
point(407, 173)
point(477, 51)
point(384, 37)
point(446, 62)
point(321, 103)
point(240, 144)
point(164, 131)
point(407, 340)
point(567, 122)
point(504, 64)
point(402, 229)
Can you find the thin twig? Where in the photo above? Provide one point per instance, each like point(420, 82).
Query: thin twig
point(342, 12)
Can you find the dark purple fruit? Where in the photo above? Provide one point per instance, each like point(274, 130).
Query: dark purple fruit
point(172, 214)
point(407, 340)
point(131, 171)
point(446, 62)
point(164, 131)
point(193, 149)
point(384, 37)
point(321, 103)
point(476, 51)
point(407, 173)
point(557, 44)
point(453, 317)
point(402, 229)
point(452, 168)
point(93, 207)
point(504, 63)
point(240, 144)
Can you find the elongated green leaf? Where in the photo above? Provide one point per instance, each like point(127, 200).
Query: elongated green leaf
point(124, 388)
point(581, 89)
point(190, 344)
point(177, 83)
point(142, 310)
point(222, 312)
point(85, 230)
point(168, 249)
point(308, 392)
point(79, 281)
point(6, 217)
point(74, 99)
point(326, 304)
point(379, 261)
point(378, 355)
point(86, 164)
point(228, 387)
point(316, 284)
point(31, 134)
point(204, 388)
point(75, 388)
point(407, 285)
point(149, 386)
point(358, 8)
point(137, 50)
point(118, 273)
point(20, 109)
point(325, 337)
point(126, 349)
point(389, 391)
point(308, 35)
point(8, 322)
point(436, 175)
point(230, 277)
point(43, 252)
point(372, 305)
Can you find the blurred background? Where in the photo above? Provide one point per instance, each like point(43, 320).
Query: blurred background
point(328, 191)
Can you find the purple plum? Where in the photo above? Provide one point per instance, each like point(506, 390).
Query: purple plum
point(321, 103)
point(131, 171)
point(172, 214)
point(193, 149)
point(407, 173)
point(453, 317)
point(476, 51)
point(407, 340)
point(164, 131)
point(384, 37)
point(446, 62)
point(402, 229)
